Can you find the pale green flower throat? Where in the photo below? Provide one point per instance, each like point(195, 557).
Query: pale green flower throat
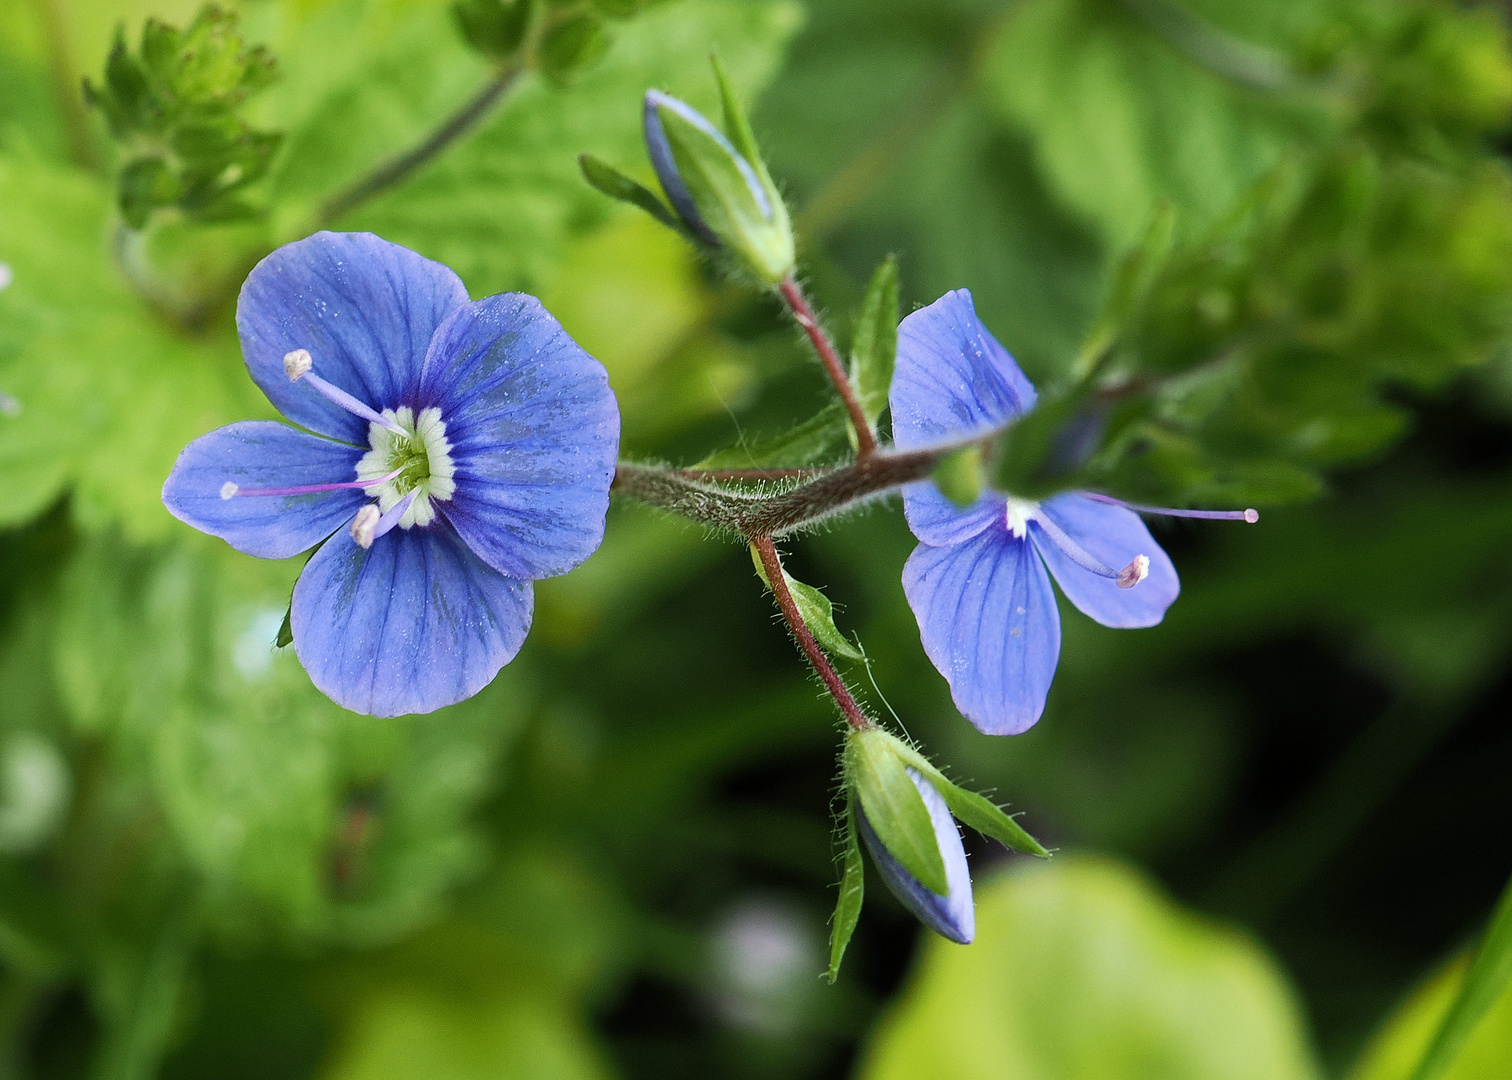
point(421, 456)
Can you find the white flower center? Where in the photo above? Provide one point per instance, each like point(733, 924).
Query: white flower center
point(1019, 513)
point(423, 457)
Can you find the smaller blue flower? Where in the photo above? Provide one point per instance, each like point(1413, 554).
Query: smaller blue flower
point(979, 581)
point(952, 916)
point(454, 452)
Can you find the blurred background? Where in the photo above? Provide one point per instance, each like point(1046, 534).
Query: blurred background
point(1281, 814)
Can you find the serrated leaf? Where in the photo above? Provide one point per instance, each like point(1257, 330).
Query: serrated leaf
point(812, 442)
point(874, 346)
point(617, 185)
point(817, 611)
point(852, 892)
point(894, 806)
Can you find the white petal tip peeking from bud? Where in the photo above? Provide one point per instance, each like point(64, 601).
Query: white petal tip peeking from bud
point(365, 526)
point(297, 364)
point(1252, 515)
point(229, 490)
point(1134, 573)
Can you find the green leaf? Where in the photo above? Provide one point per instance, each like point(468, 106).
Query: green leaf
point(572, 46)
point(818, 439)
point(852, 892)
point(1081, 971)
point(617, 185)
point(817, 611)
point(874, 768)
point(1489, 978)
point(874, 346)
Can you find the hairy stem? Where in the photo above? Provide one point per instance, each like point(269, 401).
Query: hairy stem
point(752, 514)
point(866, 442)
point(397, 169)
point(816, 658)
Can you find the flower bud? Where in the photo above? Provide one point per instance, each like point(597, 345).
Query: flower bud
point(952, 915)
point(718, 184)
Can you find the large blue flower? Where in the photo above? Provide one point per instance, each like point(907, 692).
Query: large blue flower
point(460, 451)
point(978, 581)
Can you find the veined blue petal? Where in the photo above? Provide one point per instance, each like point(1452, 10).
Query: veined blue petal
point(534, 431)
point(988, 621)
point(953, 379)
point(1115, 536)
point(936, 520)
point(263, 454)
point(364, 308)
point(952, 916)
point(409, 625)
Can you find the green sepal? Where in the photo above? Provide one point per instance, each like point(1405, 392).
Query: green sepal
point(959, 476)
point(875, 770)
point(812, 442)
point(617, 185)
point(874, 346)
point(285, 636)
point(572, 45)
point(738, 128)
point(145, 185)
point(817, 611)
point(975, 809)
point(852, 892)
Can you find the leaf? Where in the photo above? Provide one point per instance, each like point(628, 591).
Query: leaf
point(1081, 971)
point(1489, 978)
point(874, 346)
point(817, 611)
point(815, 440)
point(852, 892)
point(894, 806)
point(617, 185)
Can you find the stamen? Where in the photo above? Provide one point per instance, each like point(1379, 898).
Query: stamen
point(1126, 578)
point(231, 491)
point(368, 526)
point(299, 365)
point(1251, 515)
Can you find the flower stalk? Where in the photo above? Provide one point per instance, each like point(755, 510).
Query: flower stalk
point(792, 295)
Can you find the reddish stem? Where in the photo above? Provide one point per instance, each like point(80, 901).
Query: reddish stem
point(866, 442)
point(832, 682)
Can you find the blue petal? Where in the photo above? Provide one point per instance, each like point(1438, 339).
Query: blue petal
point(534, 430)
point(988, 621)
point(936, 520)
point(411, 624)
point(1115, 536)
point(363, 307)
point(952, 378)
point(263, 454)
point(952, 916)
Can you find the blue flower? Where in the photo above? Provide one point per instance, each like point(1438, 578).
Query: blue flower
point(977, 582)
point(953, 915)
point(460, 451)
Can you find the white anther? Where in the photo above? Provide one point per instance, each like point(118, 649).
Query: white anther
point(297, 364)
point(365, 525)
point(229, 490)
point(1134, 573)
point(1252, 515)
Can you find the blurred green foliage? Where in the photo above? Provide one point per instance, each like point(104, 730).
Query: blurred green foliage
point(208, 869)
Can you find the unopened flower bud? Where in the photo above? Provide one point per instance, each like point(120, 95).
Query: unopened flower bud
point(952, 915)
point(718, 184)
